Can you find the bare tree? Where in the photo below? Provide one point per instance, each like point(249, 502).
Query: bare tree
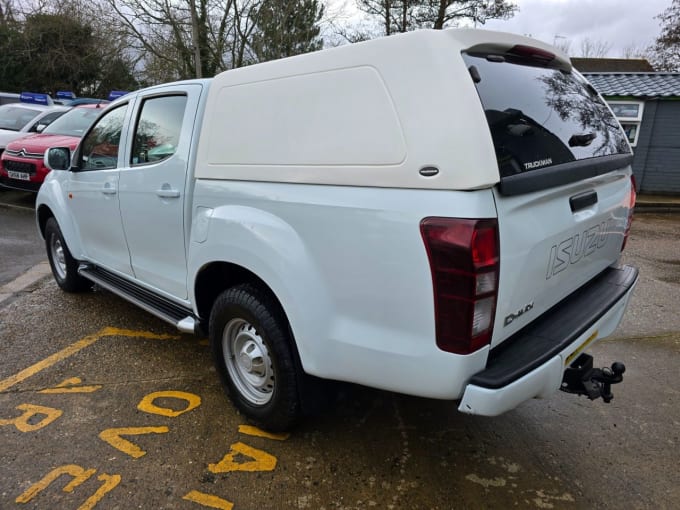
point(6, 11)
point(563, 44)
point(635, 51)
point(381, 9)
point(594, 48)
point(404, 15)
point(168, 34)
point(440, 14)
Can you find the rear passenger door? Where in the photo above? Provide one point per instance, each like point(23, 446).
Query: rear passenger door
point(153, 187)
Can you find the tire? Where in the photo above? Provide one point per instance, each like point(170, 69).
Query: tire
point(253, 351)
point(64, 266)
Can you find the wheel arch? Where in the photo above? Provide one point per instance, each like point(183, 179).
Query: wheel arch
point(215, 277)
point(218, 276)
point(236, 244)
point(52, 203)
point(43, 214)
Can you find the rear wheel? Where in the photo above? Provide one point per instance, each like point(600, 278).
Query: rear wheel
point(252, 348)
point(64, 266)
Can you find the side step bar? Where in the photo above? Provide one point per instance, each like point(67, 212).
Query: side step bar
point(177, 315)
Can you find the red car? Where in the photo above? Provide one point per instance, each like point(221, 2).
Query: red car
point(22, 166)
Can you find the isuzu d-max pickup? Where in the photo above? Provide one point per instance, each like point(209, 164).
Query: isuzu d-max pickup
point(439, 213)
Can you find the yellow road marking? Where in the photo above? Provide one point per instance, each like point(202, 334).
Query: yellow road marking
point(79, 475)
point(147, 403)
point(138, 334)
point(22, 423)
point(49, 361)
point(76, 347)
point(71, 385)
point(112, 436)
point(208, 500)
point(110, 483)
point(262, 461)
point(254, 431)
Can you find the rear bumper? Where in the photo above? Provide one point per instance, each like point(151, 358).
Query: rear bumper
point(531, 364)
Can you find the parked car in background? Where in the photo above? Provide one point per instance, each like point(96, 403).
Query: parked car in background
point(9, 97)
point(33, 114)
point(86, 100)
point(22, 166)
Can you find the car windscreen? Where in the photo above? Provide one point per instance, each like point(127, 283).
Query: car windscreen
point(541, 117)
point(74, 122)
point(14, 118)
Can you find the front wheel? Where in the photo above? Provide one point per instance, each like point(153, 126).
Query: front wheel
point(253, 352)
point(64, 266)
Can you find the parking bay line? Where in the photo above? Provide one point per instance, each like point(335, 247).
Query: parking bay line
point(75, 347)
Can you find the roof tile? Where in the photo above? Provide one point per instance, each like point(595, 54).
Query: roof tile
point(636, 84)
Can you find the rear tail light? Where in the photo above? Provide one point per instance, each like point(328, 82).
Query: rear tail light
point(464, 261)
point(631, 208)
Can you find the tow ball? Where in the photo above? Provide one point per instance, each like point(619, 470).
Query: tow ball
point(582, 379)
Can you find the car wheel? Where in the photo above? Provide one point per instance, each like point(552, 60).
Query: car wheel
point(253, 351)
point(64, 266)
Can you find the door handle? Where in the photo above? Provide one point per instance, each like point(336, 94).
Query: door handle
point(167, 192)
point(109, 189)
point(583, 200)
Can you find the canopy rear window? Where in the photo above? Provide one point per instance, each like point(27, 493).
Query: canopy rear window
point(540, 117)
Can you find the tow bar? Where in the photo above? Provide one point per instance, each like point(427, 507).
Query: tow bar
point(582, 379)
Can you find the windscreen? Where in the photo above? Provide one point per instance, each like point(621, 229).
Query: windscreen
point(16, 117)
point(541, 117)
point(74, 122)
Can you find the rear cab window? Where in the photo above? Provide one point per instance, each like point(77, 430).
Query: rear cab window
point(158, 129)
point(543, 117)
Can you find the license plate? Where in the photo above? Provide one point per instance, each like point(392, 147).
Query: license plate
point(581, 348)
point(18, 175)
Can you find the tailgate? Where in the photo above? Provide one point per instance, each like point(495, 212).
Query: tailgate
point(565, 188)
point(553, 242)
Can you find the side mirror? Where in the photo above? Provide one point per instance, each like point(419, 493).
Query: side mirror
point(40, 128)
point(58, 158)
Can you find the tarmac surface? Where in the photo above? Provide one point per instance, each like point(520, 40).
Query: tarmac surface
point(103, 406)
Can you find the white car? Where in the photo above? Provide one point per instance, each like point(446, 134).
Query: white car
point(20, 119)
point(439, 213)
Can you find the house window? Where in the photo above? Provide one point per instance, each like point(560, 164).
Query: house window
point(629, 114)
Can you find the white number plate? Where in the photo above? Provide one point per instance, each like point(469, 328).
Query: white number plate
point(18, 175)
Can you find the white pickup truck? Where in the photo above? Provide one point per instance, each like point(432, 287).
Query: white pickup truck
point(439, 213)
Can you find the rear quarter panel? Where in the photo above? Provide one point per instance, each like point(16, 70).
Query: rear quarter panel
point(350, 268)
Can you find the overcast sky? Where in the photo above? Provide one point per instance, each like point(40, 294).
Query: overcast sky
point(621, 23)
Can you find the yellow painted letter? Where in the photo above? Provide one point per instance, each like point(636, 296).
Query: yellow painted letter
point(110, 483)
point(79, 476)
point(112, 436)
point(254, 431)
point(262, 461)
point(147, 404)
point(208, 500)
point(72, 385)
point(23, 422)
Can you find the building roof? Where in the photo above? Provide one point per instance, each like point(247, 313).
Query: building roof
point(612, 65)
point(636, 84)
